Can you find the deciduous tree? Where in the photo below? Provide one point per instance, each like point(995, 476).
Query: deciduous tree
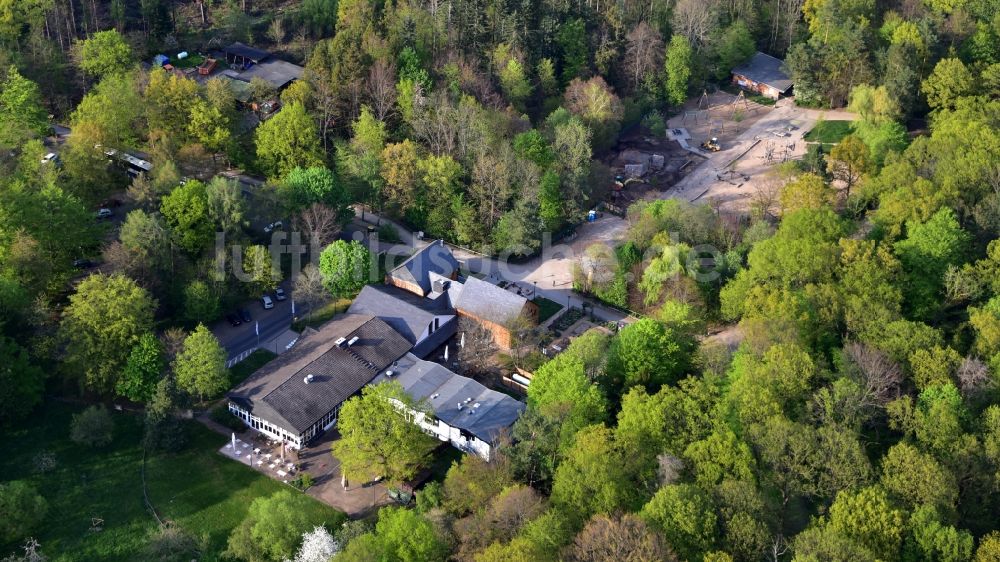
point(92, 427)
point(287, 140)
point(200, 367)
point(21, 382)
point(22, 114)
point(378, 438)
point(346, 267)
point(678, 69)
point(106, 316)
point(142, 370)
point(104, 53)
point(23, 508)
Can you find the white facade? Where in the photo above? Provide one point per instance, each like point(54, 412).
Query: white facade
point(459, 439)
point(277, 433)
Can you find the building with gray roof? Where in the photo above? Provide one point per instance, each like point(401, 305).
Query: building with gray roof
point(298, 394)
point(465, 413)
point(276, 72)
point(425, 323)
point(415, 274)
point(495, 308)
point(763, 74)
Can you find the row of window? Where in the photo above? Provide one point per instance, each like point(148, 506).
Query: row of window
point(263, 426)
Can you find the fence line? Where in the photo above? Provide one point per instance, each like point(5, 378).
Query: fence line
point(240, 357)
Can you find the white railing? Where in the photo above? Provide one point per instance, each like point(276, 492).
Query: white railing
point(240, 357)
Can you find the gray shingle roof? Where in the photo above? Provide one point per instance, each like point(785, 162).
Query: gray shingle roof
point(765, 69)
point(407, 313)
point(435, 257)
point(276, 72)
point(443, 390)
point(278, 393)
point(489, 302)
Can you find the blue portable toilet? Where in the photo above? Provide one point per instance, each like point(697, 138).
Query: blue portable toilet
point(592, 216)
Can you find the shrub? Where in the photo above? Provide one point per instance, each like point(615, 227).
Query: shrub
point(22, 508)
point(220, 414)
point(388, 233)
point(92, 427)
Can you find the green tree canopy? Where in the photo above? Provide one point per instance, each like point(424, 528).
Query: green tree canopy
point(273, 527)
point(346, 267)
point(22, 114)
point(106, 317)
point(926, 252)
point(949, 81)
point(646, 353)
point(200, 367)
point(24, 510)
point(304, 186)
point(143, 369)
point(287, 140)
point(686, 516)
point(401, 535)
point(92, 427)
point(678, 67)
point(378, 439)
point(186, 212)
point(593, 477)
point(21, 382)
point(105, 53)
point(560, 389)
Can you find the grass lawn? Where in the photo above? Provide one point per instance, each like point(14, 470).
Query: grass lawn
point(321, 314)
point(240, 371)
point(198, 489)
point(829, 131)
point(191, 61)
point(546, 308)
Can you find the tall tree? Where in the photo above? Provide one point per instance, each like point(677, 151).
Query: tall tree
point(287, 140)
point(377, 439)
point(106, 316)
point(678, 69)
point(143, 369)
point(849, 161)
point(21, 382)
point(186, 211)
point(593, 478)
point(346, 267)
point(200, 367)
point(105, 53)
point(22, 115)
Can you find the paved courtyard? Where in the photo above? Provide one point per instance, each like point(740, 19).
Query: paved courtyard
point(356, 500)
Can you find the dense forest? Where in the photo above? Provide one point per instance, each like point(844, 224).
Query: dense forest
point(859, 419)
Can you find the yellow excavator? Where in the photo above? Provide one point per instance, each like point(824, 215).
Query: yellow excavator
point(712, 144)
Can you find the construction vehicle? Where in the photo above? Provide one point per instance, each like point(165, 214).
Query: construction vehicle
point(712, 144)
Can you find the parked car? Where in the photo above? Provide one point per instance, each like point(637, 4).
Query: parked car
point(279, 294)
point(276, 225)
point(104, 213)
point(267, 302)
point(234, 320)
point(82, 263)
point(50, 157)
point(245, 315)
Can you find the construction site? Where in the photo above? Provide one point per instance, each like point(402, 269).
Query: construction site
point(719, 148)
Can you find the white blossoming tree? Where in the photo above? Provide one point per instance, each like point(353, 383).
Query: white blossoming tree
point(318, 545)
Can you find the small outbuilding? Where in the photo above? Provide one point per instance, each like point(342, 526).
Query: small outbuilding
point(762, 74)
point(244, 56)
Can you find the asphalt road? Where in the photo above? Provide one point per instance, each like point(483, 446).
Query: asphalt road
point(241, 338)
